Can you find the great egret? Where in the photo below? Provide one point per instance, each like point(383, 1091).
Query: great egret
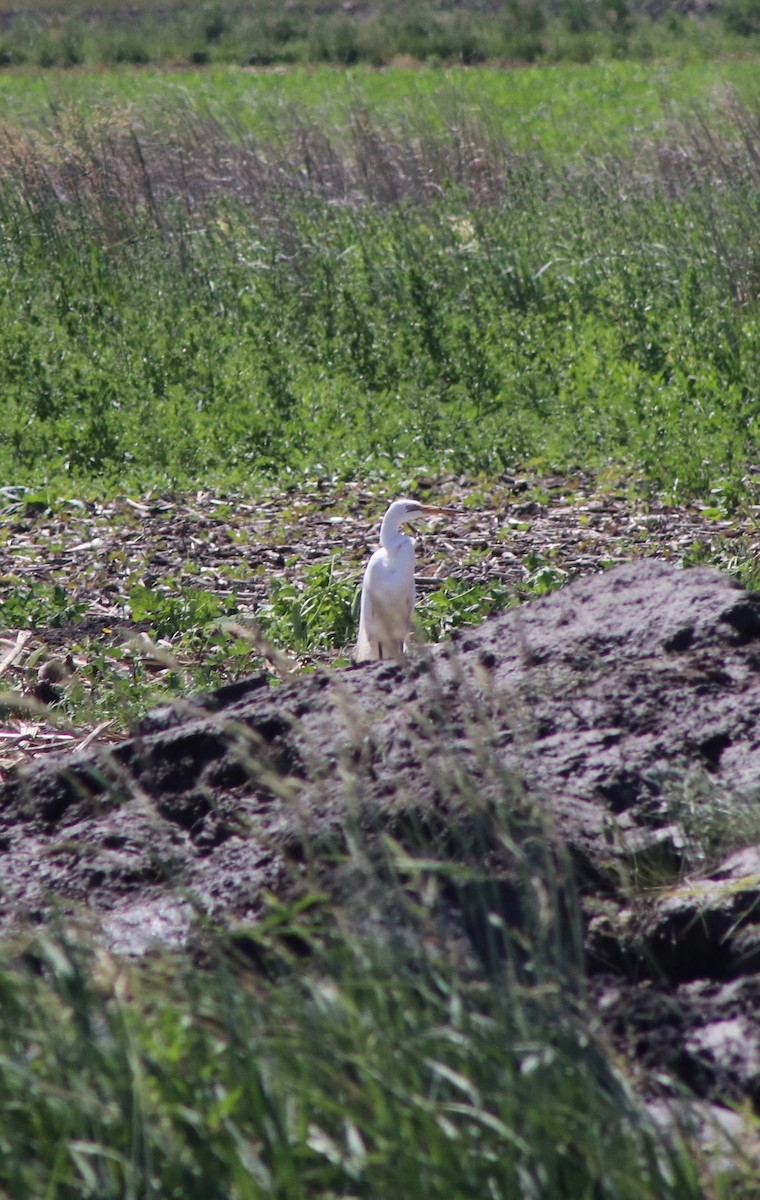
point(388, 592)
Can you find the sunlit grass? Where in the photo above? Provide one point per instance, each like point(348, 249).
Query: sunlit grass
point(244, 301)
point(576, 107)
point(337, 1047)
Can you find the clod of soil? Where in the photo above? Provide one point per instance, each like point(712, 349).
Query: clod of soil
point(621, 711)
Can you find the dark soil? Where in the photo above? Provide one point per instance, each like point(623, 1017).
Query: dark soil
point(617, 717)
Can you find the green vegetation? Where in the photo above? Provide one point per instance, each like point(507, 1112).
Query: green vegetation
point(184, 301)
point(301, 1056)
point(319, 612)
point(34, 604)
point(263, 33)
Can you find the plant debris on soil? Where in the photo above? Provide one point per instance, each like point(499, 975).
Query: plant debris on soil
point(73, 566)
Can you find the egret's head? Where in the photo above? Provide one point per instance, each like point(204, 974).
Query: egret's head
point(403, 512)
point(411, 510)
point(415, 511)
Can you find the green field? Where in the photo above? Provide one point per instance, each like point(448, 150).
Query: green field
point(205, 277)
point(244, 281)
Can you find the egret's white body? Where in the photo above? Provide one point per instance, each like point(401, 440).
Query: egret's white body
point(388, 592)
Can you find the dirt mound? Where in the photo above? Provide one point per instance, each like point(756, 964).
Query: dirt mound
point(619, 714)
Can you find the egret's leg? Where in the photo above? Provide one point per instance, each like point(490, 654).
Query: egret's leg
point(380, 650)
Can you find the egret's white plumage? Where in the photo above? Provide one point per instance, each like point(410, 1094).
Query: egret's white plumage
point(388, 592)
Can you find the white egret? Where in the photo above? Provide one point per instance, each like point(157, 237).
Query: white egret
point(388, 592)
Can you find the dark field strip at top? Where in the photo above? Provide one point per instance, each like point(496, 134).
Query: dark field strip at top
point(72, 33)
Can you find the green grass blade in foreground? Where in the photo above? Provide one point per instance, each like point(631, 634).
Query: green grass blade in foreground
point(367, 1076)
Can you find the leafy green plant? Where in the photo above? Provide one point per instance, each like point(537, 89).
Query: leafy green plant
point(457, 603)
point(39, 605)
point(319, 613)
point(742, 17)
point(115, 686)
point(182, 611)
point(542, 576)
point(424, 32)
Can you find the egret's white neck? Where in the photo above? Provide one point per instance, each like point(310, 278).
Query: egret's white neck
point(390, 530)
